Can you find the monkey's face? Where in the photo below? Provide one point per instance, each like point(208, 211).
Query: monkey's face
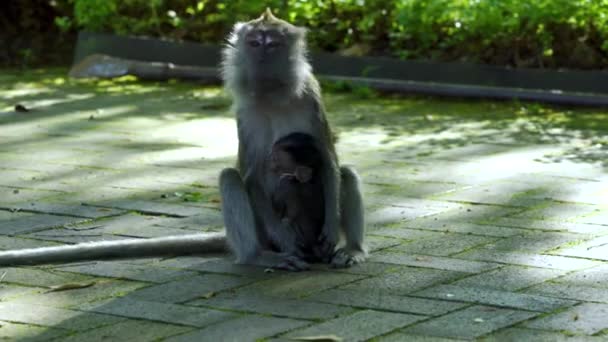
point(267, 49)
point(265, 45)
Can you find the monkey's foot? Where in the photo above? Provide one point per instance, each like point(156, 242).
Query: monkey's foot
point(347, 257)
point(292, 263)
point(324, 251)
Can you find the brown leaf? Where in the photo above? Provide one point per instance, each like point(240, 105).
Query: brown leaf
point(319, 338)
point(70, 286)
point(208, 295)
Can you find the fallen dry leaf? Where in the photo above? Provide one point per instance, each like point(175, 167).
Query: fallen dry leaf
point(70, 286)
point(208, 295)
point(319, 338)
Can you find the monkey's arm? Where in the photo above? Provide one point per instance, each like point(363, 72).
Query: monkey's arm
point(162, 246)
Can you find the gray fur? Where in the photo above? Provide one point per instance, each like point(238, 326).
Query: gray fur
point(276, 94)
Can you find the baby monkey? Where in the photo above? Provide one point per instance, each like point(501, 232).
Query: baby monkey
point(297, 198)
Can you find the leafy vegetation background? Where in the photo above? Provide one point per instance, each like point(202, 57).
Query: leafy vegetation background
point(517, 33)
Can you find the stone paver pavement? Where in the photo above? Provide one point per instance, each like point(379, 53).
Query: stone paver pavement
point(483, 223)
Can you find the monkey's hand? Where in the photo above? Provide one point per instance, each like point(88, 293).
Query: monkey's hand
point(292, 263)
point(347, 257)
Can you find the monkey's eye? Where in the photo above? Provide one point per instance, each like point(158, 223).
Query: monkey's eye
point(254, 43)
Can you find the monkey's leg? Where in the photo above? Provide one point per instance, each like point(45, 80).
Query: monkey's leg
point(352, 220)
point(239, 220)
point(330, 232)
point(241, 232)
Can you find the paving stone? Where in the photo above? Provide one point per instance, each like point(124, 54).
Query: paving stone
point(370, 299)
point(470, 323)
point(573, 227)
point(67, 209)
point(53, 317)
point(445, 245)
point(522, 334)
point(71, 236)
point(480, 295)
point(366, 268)
point(145, 231)
point(272, 306)
point(150, 207)
point(561, 290)
point(404, 280)
point(114, 269)
point(594, 277)
point(8, 214)
point(589, 191)
point(18, 178)
point(11, 291)
point(125, 222)
point(160, 312)
point(130, 225)
point(558, 211)
point(34, 223)
point(13, 242)
point(466, 213)
point(75, 298)
point(533, 242)
point(393, 214)
point(207, 217)
point(39, 277)
point(598, 217)
point(130, 330)
point(296, 285)
point(399, 337)
point(188, 289)
point(104, 193)
point(30, 333)
point(499, 193)
point(409, 188)
point(462, 227)
point(592, 249)
point(528, 259)
point(510, 278)
point(12, 195)
point(587, 318)
point(150, 157)
point(360, 326)
point(405, 234)
point(248, 328)
point(378, 243)
point(224, 265)
point(441, 263)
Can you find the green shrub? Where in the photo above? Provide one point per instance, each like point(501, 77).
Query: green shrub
point(520, 33)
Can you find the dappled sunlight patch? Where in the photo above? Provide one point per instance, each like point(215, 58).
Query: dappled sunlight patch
point(38, 104)
point(22, 91)
point(217, 136)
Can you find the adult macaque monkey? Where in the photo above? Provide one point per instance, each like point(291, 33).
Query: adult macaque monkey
point(275, 94)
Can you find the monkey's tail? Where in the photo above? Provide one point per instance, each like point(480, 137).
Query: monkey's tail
point(201, 243)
